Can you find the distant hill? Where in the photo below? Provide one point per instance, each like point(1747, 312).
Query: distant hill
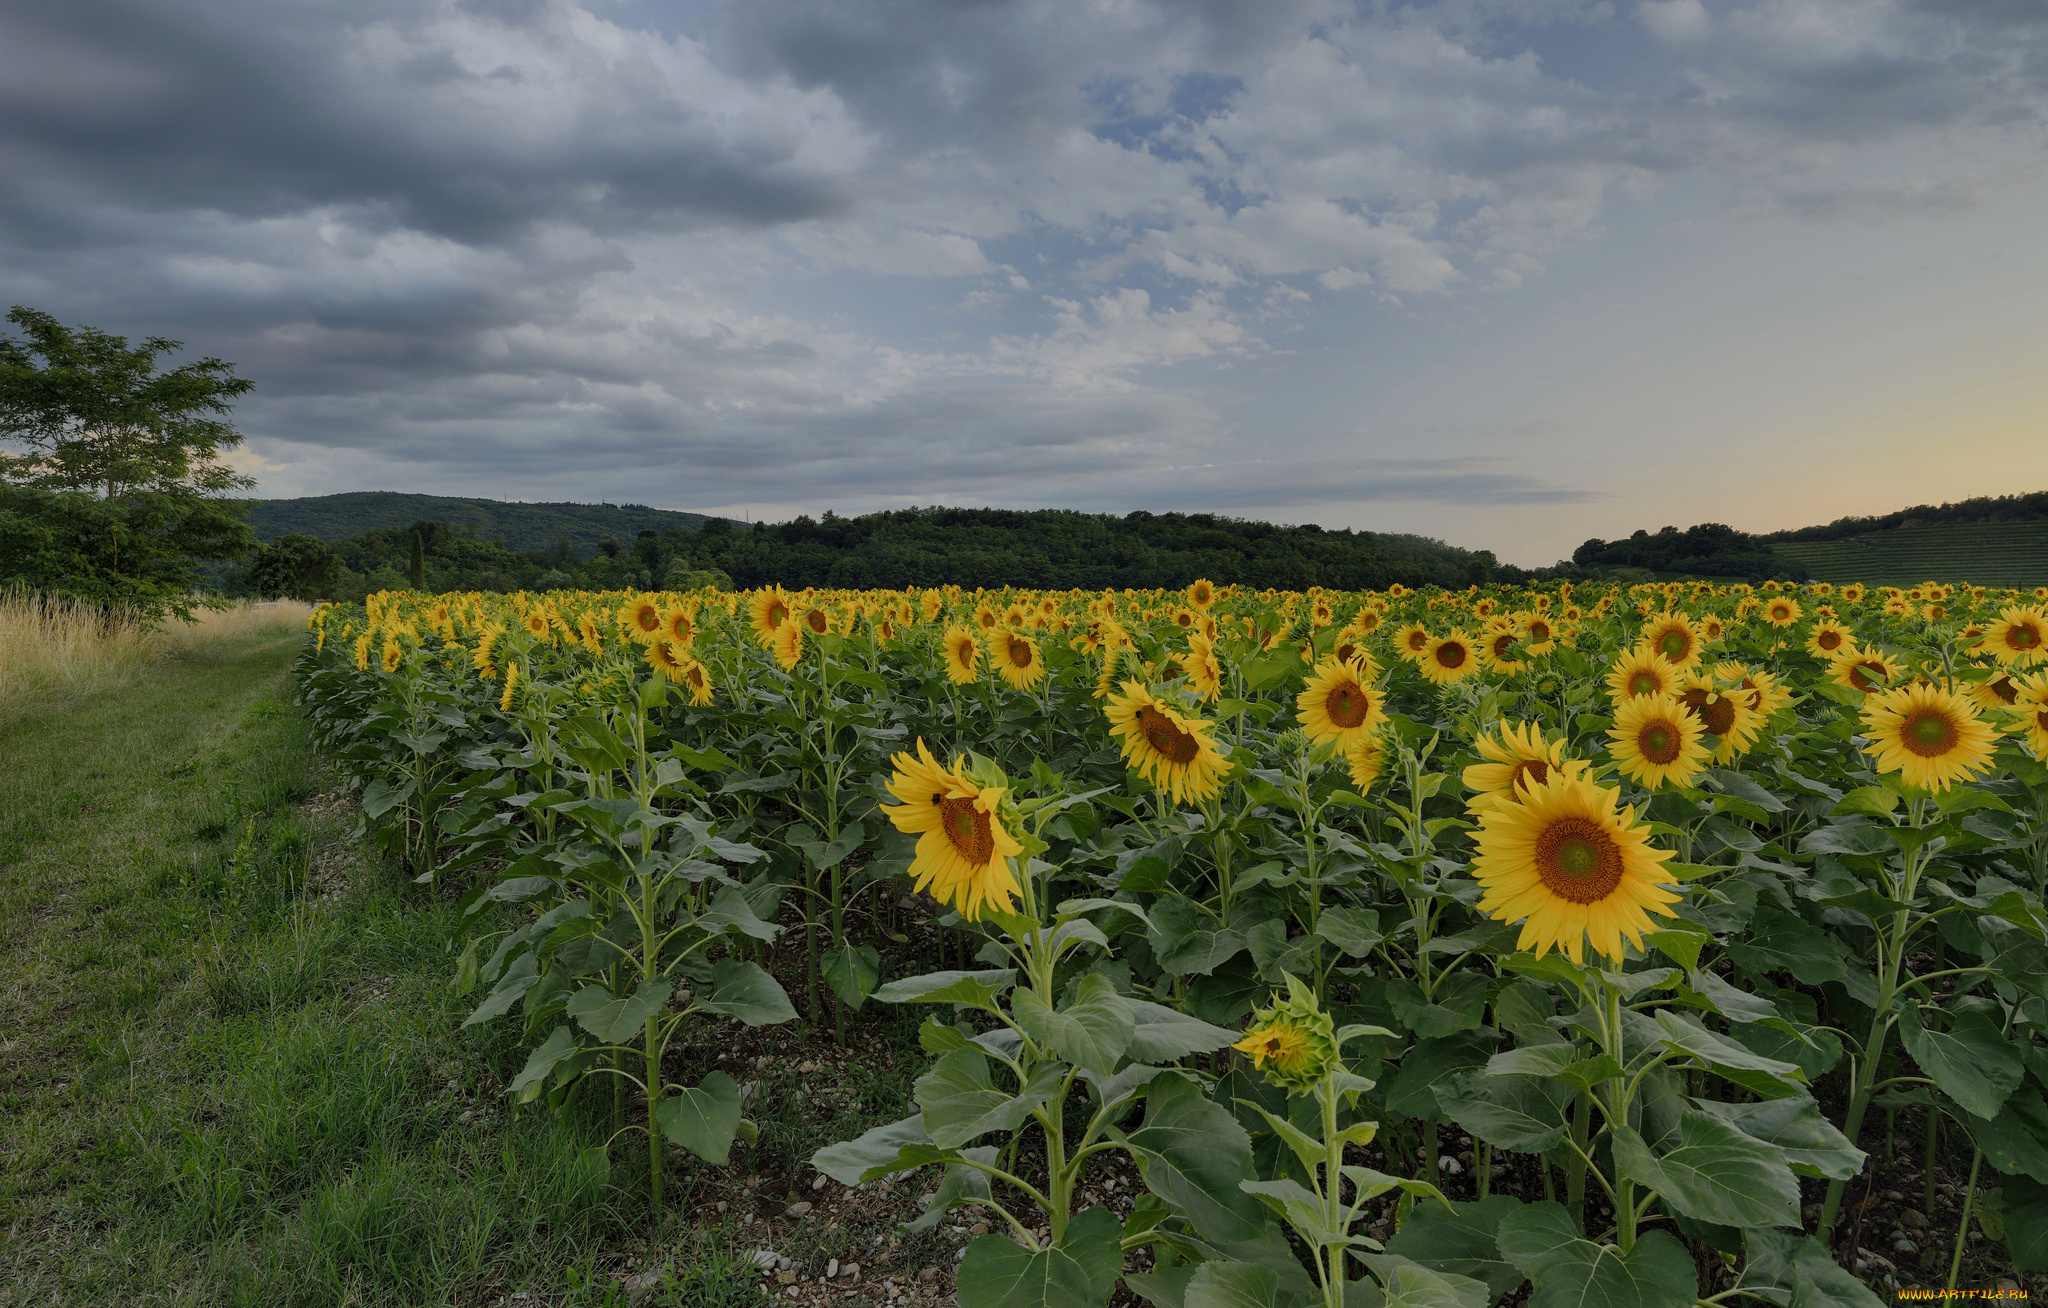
point(524, 526)
point(1981, 553)
point(1992, 540)
point(2032, 507)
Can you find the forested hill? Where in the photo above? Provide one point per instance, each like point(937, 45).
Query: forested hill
point(1056, 548)
point(1045, 548)
point(2031, 507)
point(335, 518)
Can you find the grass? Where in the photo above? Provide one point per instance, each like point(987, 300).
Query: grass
point(232, 1070)
point(229, 1070)
point(54, 650)
point(1984, 554)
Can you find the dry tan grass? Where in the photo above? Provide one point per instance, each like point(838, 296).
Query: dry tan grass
point(52, 650)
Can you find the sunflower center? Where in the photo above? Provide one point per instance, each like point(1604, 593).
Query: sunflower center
point(1645, 683)
point(2024, 637)
point(1502, 644)
point(1020, 654)
point(1829, 640)
point(1578, 861)
point(968, 828)
point(1716, 714)
point(1674, 644)
point(1659, 743)
point(778, 613)
point(2005, 690)
point(649, 620)
point(1418, 640)
point(1451, 654)
point(1536, 770)
point(1929, 733)
point(1178, 746)
point(817, 621)
point(1345, 651)
point(1861, 682)
point(1347, 706)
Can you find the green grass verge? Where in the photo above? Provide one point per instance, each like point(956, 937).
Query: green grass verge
point(229, 1071)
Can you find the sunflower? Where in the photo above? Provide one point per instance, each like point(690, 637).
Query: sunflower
point(1827, 638)
point(1929, 736)
point(587, 632)
point(2020, 636)
point(1338, 706)
point(1642, 671)
point(1782, 611)
point(1173, 752)
point(1766, 696)
point(1727, 715)
point(1497, 649)
point(641, 617)
point(1854, 592)
point(1204, 673)
point(393, 654)
point(1293, 1041)
point(1520, 755)
point(2033, 701)
point(963, 849)
point(963, 654)
point(698, 678)
point(1016, 659)
point(1365, 758)
point(1711, 629)
point(1412, 641)
point(1998, 691)
point(669, 659)
point(538, 626)
point(363, 652)
point(511, 684)
point(678, 627)
point(1656, 740)
point(1201, 593)
point(787, 644)
point(1449, 658)
point(1575, 871)
point(1674, 638)
point(767, 610)
point(1539, 632)
point(1865, 669)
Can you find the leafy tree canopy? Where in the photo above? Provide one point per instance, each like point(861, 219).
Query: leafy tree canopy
point(112, 484)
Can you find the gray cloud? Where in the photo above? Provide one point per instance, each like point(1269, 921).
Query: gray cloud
point(519, 247)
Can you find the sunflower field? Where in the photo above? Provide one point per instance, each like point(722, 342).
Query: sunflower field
point(1679, 903)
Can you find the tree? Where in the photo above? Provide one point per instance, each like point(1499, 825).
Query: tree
point(116, 487)
point(418, 572)
point(297, 567)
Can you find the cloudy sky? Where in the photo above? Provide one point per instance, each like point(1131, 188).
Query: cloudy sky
point(1510, 272)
